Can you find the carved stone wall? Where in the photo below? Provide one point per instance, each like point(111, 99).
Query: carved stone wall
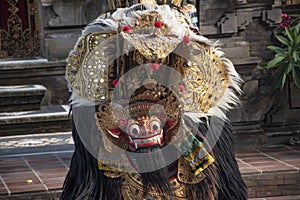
point(19, 29)
point(63, 21)
point(245, 28)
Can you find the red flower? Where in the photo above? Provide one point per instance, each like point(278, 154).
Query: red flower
point(286, 21)
point(283, 15)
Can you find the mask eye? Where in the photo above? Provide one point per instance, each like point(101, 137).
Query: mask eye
point(155, 125)
point(134, 129)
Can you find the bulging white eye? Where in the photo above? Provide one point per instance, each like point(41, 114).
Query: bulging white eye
point(155, 125)
point(134, 129)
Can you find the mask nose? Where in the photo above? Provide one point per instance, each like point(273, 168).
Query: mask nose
point(145, 131)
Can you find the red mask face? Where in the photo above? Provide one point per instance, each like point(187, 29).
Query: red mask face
point(144, 132)
point(140, 125)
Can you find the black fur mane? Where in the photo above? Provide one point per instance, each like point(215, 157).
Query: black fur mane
point(223, 179)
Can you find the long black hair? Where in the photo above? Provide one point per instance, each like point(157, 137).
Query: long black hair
point(223, 179)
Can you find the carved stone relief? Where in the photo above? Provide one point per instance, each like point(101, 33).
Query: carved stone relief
point(19, 32)
point(234, 22)
point(272, 17)
point(93, 9)
point(258, 97)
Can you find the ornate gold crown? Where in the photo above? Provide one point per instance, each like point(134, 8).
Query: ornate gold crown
point(153, 35)
point(124, 3)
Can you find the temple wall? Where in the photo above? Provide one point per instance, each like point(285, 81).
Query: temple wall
point(244, 28)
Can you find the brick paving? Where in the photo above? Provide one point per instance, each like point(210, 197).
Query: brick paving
point(267, 172)
point(296, 197)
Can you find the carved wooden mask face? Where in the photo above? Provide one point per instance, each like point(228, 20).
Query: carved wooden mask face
point(145, 131)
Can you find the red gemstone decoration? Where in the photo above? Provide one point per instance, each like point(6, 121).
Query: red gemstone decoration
point(155, 66)
point(181, 88)
point(158, 24)
point(115, 82)
point(126, 29)
point(123, 122)
point(186, 39)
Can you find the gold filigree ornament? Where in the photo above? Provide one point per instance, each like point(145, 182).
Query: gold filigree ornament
point(133, 188)
point(122, 3)
point(209, 81)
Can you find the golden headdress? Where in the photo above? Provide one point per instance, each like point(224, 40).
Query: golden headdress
point(146, 34)
point(125, 3)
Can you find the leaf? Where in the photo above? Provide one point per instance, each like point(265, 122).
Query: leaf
point(290, 34)
point(278, 76)
point(295, 15)
point(297, 37)
point(283, 80)
point(297, 65)
point(274, 62)
point(296, 77)
point(283, 40)
point(295, 56)
point(290, 50)
point(277, 82)
point(289, 68)
point(276, 49)
point(297, 28)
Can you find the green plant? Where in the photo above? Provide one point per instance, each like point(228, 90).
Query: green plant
point(286, 61)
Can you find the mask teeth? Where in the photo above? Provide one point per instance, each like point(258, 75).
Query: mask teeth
point(136, 144)
point(158, 140)
point(130, 139)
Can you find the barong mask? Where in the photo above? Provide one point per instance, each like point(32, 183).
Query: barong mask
point(147, 69)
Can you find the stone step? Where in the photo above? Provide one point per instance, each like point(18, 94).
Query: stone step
point(259, 135)
point(50, 74)
point(47, 120)
point(31, 68)
point(21, 97)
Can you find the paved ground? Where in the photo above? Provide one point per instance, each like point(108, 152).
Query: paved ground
point(37, 165)
point(297, 197)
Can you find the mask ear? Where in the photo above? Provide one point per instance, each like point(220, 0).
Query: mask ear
point(115, 132)
point(170, 123)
